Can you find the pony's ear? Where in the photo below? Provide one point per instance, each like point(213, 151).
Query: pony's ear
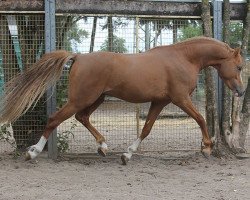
point(237, 51)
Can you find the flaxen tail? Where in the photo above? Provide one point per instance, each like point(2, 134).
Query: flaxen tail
point(27, 88)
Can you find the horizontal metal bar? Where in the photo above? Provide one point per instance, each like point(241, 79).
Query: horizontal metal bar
point(105, 15)
point(21, 12)
point(132, 16)
point(195, 1)
point(132, 7)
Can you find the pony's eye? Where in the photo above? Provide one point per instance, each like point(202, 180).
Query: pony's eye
point(239, 68)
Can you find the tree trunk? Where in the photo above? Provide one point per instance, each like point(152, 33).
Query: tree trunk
point(147, 36)
point(92, 42)
point(246, 31)
point(211, 106)
point(157, 29)
point(64, 24)
point(110, 34)
point(245, 118)
point(211, 113)
point(227, 94)
point(175, 31)
point(241, 117)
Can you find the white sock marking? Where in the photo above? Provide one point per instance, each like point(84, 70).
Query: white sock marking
point(104, 145)
point(133, 148)
point(37, 148)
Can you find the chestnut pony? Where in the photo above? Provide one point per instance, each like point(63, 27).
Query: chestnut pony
point(161, 75)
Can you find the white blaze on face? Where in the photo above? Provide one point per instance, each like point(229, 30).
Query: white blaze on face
point(241, 77)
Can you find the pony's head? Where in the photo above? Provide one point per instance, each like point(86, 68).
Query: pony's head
point(230, 72)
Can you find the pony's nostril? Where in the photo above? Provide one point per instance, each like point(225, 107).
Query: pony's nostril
point(240, 93)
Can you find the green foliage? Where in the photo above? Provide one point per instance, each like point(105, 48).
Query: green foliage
point(118, 45)
point(74, 36)
point(5, 134)
point(117, 23)
point(62, 89)
point(235, 34)
point(200, 93)
point(63, 138)
point(192, 30)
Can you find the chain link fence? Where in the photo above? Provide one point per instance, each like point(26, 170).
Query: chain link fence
point(22, 39)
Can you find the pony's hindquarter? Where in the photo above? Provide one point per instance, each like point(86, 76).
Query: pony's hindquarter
point(27, 88)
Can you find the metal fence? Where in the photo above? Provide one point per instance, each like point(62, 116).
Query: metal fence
point(22, 43)
point(120, 122)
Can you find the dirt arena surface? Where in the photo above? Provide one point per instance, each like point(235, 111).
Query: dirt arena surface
point(173, 176)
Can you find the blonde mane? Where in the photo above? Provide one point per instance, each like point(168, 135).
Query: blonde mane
point(204, 39)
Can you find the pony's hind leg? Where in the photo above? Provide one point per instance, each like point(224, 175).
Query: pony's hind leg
point(57, 118)
point(83, 117)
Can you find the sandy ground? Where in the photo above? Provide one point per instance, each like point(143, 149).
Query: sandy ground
point(117, 122)
point(171, 176)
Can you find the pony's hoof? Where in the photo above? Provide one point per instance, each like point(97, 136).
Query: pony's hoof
point(206, 152)
point(102, 152)
point(124, 159)
point(27, 156)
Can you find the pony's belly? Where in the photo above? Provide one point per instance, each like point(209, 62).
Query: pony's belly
point(138, 97)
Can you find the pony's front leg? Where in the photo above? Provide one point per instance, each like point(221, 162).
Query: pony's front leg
point(187, 106)
point(154, 111)
point(131, 149)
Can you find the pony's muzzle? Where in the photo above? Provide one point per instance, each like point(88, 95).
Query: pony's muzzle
point(239, 92)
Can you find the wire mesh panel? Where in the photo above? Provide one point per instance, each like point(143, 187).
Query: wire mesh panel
point(21, 44)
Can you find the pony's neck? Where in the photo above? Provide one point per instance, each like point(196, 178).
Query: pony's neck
point(206, 53)
point(210, 55)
